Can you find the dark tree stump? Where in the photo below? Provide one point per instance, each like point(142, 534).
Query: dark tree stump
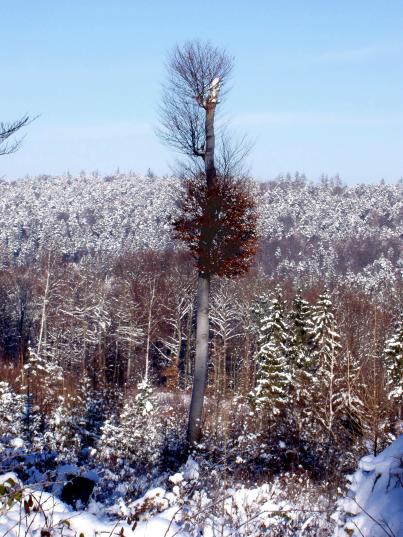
point(77, 490)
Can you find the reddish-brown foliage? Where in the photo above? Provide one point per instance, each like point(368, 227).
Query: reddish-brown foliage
point(218, 224)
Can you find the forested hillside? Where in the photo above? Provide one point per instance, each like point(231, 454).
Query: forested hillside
point(97, 332)
point(214, 350)
point(325, 231)
point(97, 339)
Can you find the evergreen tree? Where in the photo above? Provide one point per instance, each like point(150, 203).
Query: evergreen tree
point(32, 421)
point(273, 377)
point(42, 379)
point(259, 309)
point(353, 388)
point(69, 425)
point(11, 409)
point(303, 368)
point(95, 405)
point(301, 334)
point(134, 438)
point(326, 347)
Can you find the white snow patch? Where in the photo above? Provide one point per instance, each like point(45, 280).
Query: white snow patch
point(49, 513)
point(374, 504)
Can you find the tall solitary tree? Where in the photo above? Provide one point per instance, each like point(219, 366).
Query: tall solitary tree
point(217, 219)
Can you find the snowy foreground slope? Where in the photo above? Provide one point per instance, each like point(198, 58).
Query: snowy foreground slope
point(49, 516)
point(372, 508)
point(374, 504)
point(161, 515)
point(181, 508)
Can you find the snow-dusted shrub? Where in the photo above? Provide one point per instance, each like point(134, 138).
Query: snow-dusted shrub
point(66, 428)
point(10, 491)
point(34, 513)
point(130, 445)
point(11, 407)
point(202, 501)
point(173, 410)
point(134, 437)
point(11, 417)
point(233, 436)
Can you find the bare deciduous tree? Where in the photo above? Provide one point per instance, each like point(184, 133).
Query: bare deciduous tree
point(7, 131)
point(217, 220)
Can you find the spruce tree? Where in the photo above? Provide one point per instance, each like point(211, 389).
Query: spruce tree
point(67, 427)
point(133, 438)
point(301, 334)
point(352, 411)
point(42, 379)
point(11, 410)
point(273, 377)
point(326, 346)
point(303, 368)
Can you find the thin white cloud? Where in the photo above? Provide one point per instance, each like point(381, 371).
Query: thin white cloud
point(358, 54)
point(101, 131)
point(329, 120)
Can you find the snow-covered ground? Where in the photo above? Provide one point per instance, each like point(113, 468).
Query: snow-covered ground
point(373, 507)
point(374, 504)
point(34, 513)
point(182, 508)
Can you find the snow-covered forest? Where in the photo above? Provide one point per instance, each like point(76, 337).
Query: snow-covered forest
point(310, 232)
point(97, 333)
point(217, 350)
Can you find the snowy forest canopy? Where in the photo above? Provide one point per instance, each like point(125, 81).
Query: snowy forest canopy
point(310, 232)
point(97, 333)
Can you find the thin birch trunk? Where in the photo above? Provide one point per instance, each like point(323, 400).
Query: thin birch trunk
point(44, 304)
point(149, 323)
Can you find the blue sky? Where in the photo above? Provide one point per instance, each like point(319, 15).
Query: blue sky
point(318, 86)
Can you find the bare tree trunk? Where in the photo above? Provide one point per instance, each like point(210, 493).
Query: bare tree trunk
point(203, 297)
point(44, 304)
point(201, 360)
point(149, 323)
point(188, 360)
point(210, 146)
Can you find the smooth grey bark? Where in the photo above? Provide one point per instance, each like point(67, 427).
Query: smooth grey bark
point(210, 146)
point(203, 298)
point(201, 360)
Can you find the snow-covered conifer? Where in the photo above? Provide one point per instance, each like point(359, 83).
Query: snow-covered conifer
point(273, 376)
point(326, 341)
point(11, 409)
point(67, 428)
point(352, 391)
point(32, 421)
point(301, 333)
point(134, 437)
point(303, 366)
point(41, 379)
